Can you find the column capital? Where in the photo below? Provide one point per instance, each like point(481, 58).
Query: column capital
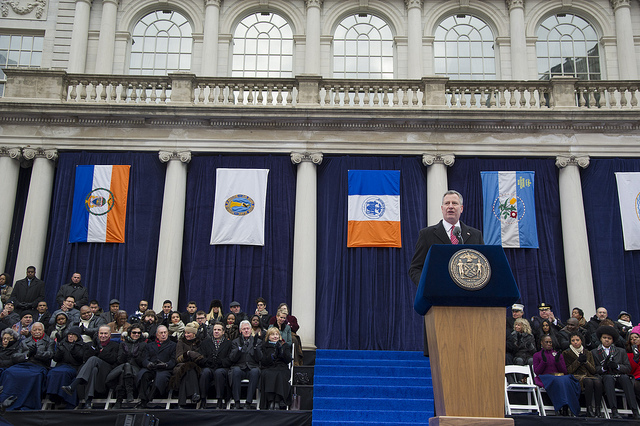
point(212, 3)
point(13, 153)
point(31, 153)
point(619, 3)
point(313, 3)
point(166, 156)
point(116, 2)
point(89, 2)
point(513, 4)
point(431, 159)
point(563, 161)
point(313, 157)
point(409, 4)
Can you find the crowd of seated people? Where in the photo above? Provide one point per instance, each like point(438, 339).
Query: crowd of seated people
point(79, 353)
point(590, 357)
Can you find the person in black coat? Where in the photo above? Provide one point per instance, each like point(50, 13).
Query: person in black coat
point(157, 364)
point(8, 315)
point(245, 356)
point(612, 366)
point(275, 389)
point(73, 288)
point(28, 292)
point(452, 206)
point(10, 345)
point(100, 357)
point(130, 353)
point(216, 366)
point(69, 356)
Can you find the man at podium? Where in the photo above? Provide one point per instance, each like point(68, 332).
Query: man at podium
point(448, 231)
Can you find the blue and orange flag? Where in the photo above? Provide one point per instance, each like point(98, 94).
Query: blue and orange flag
point(374, 208)
point(99, 204)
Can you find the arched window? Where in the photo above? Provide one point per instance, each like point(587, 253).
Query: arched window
point(162, 43)
point(567, 45)
point(464, 49)
point(263, 47)
point(363, 48)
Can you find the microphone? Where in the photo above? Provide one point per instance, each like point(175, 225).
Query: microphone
point(458, 233)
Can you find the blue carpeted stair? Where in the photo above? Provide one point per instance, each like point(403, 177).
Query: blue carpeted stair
point(371, 387)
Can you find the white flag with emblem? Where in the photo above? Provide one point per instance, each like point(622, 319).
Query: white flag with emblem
point(239, 207)
point(629, 197)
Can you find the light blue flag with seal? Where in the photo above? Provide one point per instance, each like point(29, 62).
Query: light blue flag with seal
point(509, 209)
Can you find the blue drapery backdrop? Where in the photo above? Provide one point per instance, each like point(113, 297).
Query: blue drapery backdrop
point(237, 272)
point(539, 273)
point(123, 271)
point(364, 295)
point(24, 177)
point(616, 272)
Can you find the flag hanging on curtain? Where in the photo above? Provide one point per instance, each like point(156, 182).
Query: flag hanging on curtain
point(629, 197)
point(374, 208)
point(239, 207)
point(509, 209)
point(99, 204)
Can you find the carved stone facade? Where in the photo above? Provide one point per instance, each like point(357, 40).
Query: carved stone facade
point(24, 9)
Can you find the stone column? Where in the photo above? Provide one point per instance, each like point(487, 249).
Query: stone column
point(107, 38)
point(436, 183)
point(10, 166)
point(519, 66)
point(303, 297)
point(627, 62)
point(312, 55)
point(33, 238)
point(574, 234)
point(79, 37)
point(167, 284)
point(210, 40)
point(414, 38)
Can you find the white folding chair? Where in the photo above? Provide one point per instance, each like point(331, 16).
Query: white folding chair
point(518, 380)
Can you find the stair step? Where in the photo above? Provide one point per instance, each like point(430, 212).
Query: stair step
point(365, 370)
point(359, 391)
point(380, 416)
point(397, 405)
point(372, 380)
point(395, 355)
point(373, 362)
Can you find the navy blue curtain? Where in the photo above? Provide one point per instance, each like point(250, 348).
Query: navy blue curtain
point(238, 272)
point(616, 272)
point(364, 295)
point(123, 271)
point(539, 273)
point(24, 177)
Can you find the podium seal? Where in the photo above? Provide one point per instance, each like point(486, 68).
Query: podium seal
point(469, 269)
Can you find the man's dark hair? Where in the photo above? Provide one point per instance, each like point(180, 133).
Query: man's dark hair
point(94, 302)
point(261, 299)
point(192, 303)
point(31, 268)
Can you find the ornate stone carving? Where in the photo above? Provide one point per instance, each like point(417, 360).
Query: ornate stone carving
point(313, 157)
point(23, 7)
point(413, 3)
point(514, 3)
point(313, 3)
point(13, 153)
point(563, 161)
point(618, 3)
point(31, 153)
point(431, 159)
point(213, 2)
point(183, 156)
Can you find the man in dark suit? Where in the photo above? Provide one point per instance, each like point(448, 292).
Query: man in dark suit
point(442, 233)
point(28, 292)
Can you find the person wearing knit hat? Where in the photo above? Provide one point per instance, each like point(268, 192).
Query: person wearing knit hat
point(68, 357)
point(612, 365)
point(624, 324)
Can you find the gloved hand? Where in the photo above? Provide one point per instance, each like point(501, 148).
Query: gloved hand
point(582, 358)
point(151, 366)
point(612, 365)
point(557, 356)
point(33, 349)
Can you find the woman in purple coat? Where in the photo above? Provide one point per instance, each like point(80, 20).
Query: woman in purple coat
point(551, 374)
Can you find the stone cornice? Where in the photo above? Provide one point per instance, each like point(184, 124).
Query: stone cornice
point(301, 157)
point(563, 161)
point(431, 159)
point(13, 153)
point(166, 156)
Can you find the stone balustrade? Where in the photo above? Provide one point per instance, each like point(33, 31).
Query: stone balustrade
point(38, 85)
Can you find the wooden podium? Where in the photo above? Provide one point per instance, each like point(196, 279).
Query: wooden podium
point(466, 336)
